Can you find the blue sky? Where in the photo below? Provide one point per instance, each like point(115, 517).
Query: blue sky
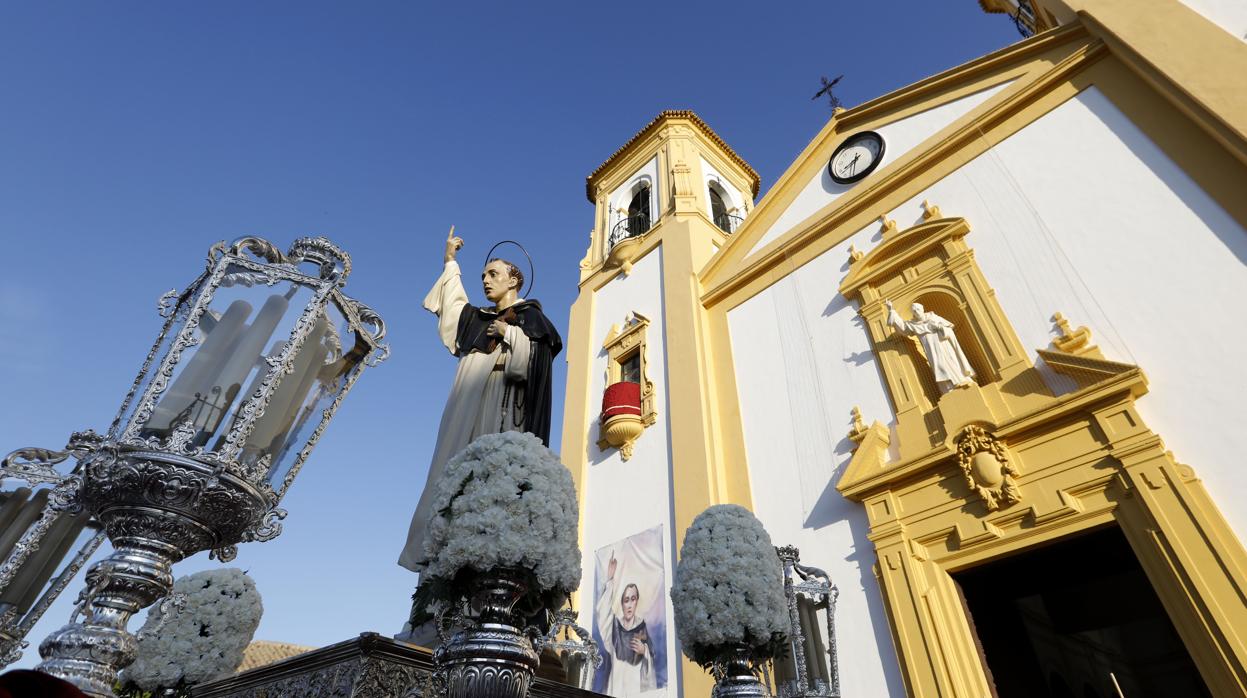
point(134, 135)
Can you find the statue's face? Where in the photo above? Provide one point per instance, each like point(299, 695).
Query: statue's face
point(916, 309)
point(497, 280)
point(629, 600)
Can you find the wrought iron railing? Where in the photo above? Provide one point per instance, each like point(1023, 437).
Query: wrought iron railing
point(629, 227)
point(728, 222)
point(1024, 19)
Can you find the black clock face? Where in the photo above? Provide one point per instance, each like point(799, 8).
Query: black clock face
point(856, 157)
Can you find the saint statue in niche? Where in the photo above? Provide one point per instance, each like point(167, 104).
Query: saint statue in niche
point(943, 352)
point(503, 381)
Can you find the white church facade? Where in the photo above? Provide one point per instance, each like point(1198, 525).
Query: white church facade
point(1058, 510)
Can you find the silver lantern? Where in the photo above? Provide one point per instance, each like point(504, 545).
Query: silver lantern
point(254, 358)
point(38, 531)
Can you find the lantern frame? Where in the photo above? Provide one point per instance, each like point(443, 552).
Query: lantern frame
point(162, 497)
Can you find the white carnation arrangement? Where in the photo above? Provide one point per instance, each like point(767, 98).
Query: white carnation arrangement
point(202, 641)
point(504, 501)
point(729, 588)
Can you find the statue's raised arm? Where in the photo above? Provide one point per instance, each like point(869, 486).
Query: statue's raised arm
point(447, 298)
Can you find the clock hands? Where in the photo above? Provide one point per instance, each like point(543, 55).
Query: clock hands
point(856, 157)
point(852, 166)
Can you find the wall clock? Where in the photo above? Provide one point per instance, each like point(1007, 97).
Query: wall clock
point(856, 157)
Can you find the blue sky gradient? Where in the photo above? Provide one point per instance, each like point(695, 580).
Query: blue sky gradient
point(134, 135)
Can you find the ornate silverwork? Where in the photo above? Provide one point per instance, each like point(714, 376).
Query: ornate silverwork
point(165, 492)
point(736, 677)
point(491, 658)
point(576, 649)
point(34, 466)
point(814, 587)
point(166, 304)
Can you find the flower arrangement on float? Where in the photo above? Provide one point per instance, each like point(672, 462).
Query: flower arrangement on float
point(200, 641)
point(730, 611)
point(501, 546)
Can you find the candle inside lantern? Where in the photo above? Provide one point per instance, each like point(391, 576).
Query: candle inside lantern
point(269, 430)
point(197, 378)
point(243, 357)
point(39, 567)
point(10, 504)
point(27, 512)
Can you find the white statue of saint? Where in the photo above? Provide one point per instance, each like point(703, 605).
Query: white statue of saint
point(948, 362)
point(505, 352)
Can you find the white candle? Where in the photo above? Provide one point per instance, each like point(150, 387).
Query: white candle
point(38, 568)
point(288, 397)
point(244, 355)
point(197, 375)
point(10, 504)
point(27, 513)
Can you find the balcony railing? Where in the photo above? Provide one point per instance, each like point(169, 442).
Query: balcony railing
point(629, 227)
point(728, 222)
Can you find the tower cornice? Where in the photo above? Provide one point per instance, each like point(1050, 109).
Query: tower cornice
point(662, 119)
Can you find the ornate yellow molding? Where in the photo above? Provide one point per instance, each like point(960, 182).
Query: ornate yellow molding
point(986, 467)
point(624, 345)
point(663, 118)
point(1074, 341)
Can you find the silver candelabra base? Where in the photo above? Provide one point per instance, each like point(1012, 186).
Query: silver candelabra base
point(157, 509)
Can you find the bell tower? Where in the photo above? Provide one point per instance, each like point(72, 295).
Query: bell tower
point(640, 427)
point(675, 166)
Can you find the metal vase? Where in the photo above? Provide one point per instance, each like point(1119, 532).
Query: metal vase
point(492, 658)
point(157, 509)
point(735, 677)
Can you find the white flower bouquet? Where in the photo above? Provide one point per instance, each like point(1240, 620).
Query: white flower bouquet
point(729, 588)
point(202, 641)
point(503, 502)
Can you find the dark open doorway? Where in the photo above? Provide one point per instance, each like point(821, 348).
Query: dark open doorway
point(1076, 619)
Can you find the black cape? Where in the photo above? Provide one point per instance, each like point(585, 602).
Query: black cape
point(546, 344)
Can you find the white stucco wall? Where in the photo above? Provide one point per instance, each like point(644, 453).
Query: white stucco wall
point(1080, 212)
point(899, 137)
point(1230, 15)
point(625, 498)
point(802, 364)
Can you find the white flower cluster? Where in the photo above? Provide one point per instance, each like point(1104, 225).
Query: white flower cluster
point(205, 639)
point(729, 586)
point(506, 501)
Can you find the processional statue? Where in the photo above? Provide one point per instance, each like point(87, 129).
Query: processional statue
point(948, 362)
point(503, 381)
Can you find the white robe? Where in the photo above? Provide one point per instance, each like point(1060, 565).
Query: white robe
point(948, 362)
point(624, 679)
point(475, 406)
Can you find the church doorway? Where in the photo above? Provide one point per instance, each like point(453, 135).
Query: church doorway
point(1076, 618)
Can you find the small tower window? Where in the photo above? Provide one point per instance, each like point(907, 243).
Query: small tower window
point(638, 211)
point(635, 220)
point(719, 211)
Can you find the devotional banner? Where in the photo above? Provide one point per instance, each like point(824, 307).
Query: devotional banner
point(630, 615)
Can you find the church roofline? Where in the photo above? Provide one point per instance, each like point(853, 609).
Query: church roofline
point(992, 6)
point(593, 177)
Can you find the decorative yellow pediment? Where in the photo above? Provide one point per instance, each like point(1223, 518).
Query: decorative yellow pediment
point(897, 248)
